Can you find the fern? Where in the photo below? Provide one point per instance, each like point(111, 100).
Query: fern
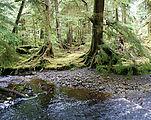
point(129, 36)
point(7, 39)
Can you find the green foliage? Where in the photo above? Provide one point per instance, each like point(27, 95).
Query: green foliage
point(106, 56)
point(104, 69)
point(73, 68)
point(21, 88)
point(144, 68)
point(7, 39)
point(7, 55)
point(131, 69)
point(133, 46)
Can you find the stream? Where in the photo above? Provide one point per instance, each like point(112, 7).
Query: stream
point(51, 101)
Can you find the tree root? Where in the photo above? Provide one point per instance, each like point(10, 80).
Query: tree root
point(91, 60)
point(39, 57)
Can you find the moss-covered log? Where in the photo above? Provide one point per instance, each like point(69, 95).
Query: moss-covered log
point(12, 93)
point(22, 51)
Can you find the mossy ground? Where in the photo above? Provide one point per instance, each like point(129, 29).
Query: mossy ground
point(63, 59)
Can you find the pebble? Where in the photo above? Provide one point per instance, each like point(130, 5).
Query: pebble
point(101, 88)
point(86, 78)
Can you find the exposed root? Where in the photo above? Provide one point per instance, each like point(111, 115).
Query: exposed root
point(38, 58)
point(91, 61)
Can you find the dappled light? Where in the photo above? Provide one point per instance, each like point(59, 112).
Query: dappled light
point(75, 59)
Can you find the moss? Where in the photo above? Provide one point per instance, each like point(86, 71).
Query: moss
point(22, 51)
point(132, 69)
point(45, 63)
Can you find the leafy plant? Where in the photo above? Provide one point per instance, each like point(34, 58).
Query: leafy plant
point(7, 39)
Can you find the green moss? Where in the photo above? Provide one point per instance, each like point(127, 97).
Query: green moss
point(74, 68)
point(131, 69)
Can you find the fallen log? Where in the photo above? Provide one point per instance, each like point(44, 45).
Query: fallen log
point(12, 93)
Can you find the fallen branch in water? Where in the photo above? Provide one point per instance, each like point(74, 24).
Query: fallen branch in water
point(12, 93)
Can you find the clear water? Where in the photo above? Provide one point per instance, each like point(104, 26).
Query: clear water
point(59, 103)
point(74, 104)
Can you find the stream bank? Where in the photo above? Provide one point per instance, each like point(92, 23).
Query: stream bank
point(117, 85)
point(115, 96)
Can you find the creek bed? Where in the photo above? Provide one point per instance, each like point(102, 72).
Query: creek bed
point(64, 104)
point(63, 96)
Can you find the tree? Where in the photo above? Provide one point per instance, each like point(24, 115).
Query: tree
point(87, 9)
point(98, 46)
point(15, 30)
point(47, 28)
point(7, 39)
point(124, 13)
point(58, 24)
point(149, 14)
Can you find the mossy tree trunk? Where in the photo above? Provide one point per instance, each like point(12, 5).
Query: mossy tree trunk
point(58, 24)
point(48, 43)
point(15, 30)
point(97, 36)
point(97, 31)
point(124, 13)
point(149, 14)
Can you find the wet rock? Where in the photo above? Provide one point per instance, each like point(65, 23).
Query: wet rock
point(101, 88)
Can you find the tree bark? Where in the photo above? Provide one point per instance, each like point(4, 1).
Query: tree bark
point(87, 9)
point(116, 14)
point(47, 28)
point(58, 24)
point(15, 30)
point(149, 14)
point(97, 43)
point(41, 34)
point(11, 93)
point(97, 32)
point(124, 13)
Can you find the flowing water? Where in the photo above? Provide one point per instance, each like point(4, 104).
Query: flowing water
point(61, 103)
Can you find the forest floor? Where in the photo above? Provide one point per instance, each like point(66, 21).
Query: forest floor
point(64, 59)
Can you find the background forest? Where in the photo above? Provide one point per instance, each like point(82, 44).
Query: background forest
point(35, 33)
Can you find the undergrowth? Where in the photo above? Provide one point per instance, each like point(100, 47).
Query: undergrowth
point(125, 69)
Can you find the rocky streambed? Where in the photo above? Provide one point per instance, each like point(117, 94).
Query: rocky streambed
point(116, 85)
point(85, 84)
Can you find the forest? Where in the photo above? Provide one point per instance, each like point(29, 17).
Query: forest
point(41, 35)
point(60, 52)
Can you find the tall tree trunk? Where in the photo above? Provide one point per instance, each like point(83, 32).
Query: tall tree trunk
point(58, 24)
point(70, 35)
point(41, 34)
point(97, 43)
point(47, 28)
point(15, 30)
point(87, 9)
point(97, 31)
point(149, 14)
point(124, 13)
point(116, 14)
point(116, 11)
point(34, 33)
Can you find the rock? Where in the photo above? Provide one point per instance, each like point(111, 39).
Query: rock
point(101, 88)
point(75, 85)
point(1, 101)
